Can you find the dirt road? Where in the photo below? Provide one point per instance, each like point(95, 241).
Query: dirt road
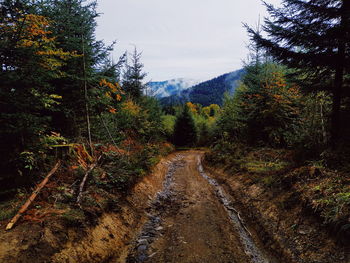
point(192, 221)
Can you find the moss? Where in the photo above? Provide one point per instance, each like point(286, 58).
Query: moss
point(73, 217)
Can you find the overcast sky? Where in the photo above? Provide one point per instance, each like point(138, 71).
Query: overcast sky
point(197, 39)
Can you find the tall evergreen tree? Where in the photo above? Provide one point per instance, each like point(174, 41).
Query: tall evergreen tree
point(185, 130)
point(313, 36)
point(74, 28)
point(133, 76)
point(30, 59)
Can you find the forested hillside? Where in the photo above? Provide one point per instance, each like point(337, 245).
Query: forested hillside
point(161, 89)
point(208, 92)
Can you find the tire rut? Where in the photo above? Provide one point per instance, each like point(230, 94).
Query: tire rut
point(250, 248)
point(141, 251)
point(192, 220)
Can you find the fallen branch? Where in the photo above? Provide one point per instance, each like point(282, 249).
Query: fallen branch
point(82, 184)
point(32, 197)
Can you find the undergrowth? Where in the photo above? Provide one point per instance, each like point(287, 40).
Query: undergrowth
point(314, 183)
point(106, 188)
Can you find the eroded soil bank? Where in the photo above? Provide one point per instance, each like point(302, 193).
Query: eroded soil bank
point(284, 224)
point(109, 237)
point(182, 213)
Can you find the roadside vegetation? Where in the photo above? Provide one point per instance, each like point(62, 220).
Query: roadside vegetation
point(63, 98)
point(287, 125)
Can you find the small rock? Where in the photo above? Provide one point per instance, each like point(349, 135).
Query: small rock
point(142, 242)
point(142, 248)
point(142, 258)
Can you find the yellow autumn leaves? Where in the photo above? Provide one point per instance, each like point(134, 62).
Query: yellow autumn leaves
point(34, 33)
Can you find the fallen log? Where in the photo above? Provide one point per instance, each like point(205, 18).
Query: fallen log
point(32, 197)
point(82, 184)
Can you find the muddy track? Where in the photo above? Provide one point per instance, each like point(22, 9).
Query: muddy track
point(193, 220)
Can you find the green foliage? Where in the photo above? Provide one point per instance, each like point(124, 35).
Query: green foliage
point(133, 76)
point(140, 120)
point(264, 109)
point(27, 159)
point(185, 130)
point(264, 167)
point(122, 172)
point(313, 39)
point(168, 122)
point(329, 196)
point(313, 135)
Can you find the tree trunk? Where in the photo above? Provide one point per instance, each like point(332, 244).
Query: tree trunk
point(86, 99)
point(338, 79)
point(337, 95)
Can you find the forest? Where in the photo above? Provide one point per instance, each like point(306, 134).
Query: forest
point(285, 129)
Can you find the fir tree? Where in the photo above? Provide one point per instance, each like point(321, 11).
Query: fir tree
point(185, 131)
point(133, 76)
point(314, 36)
point(74, 24)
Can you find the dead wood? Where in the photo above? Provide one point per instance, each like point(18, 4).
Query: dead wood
point(32, 197)
point(82, 184)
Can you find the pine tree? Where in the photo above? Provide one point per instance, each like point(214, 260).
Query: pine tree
point(185, 130)
point(313, 36)
point(133, 76)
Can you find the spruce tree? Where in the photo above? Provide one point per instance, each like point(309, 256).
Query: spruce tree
point(74, 25)
point(133, 76)
point(185, 131)
point(313, 36)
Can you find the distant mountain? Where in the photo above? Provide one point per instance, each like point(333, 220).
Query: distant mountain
point(208, 92)
point(169, 87)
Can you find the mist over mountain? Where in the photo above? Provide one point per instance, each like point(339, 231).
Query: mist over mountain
point(161, 89)
point(208, 92)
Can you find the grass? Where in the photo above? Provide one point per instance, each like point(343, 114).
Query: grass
point(264, 167)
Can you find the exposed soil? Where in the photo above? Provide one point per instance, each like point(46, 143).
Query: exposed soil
point(285, 225)
point(192, 221)
point(109, 237)
point(182, 213)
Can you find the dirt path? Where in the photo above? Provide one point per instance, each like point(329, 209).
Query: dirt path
point(192, 221)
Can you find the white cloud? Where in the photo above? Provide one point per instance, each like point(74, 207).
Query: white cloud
point(196, 39)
